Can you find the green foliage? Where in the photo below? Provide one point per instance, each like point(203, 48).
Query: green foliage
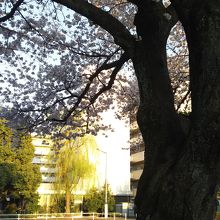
point(29, 174)
point(57, 204)
point(25, 149)
point(32, 205)
point(5, 137)
point(8, 176)
point(73, 162)
point(11, 208)
point(94, 200)
point(19, 177)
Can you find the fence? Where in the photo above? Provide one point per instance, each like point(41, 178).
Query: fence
point(63, 216)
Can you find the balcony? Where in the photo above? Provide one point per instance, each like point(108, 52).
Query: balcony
point(135, 175)
point(48, 179)
point(44, 169)
point(137, 157)
point(42, 151)
point(134, 192)
point(42, 160)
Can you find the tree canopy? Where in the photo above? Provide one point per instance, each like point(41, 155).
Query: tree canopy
point(69, 62)
point(19, 177)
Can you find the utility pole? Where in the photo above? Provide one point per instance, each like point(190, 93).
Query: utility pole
point(106, 184)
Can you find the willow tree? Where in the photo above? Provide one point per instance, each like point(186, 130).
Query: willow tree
point(181, 173)
point(75, 163)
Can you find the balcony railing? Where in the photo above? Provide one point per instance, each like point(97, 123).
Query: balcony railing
point(47, 169)
point(135, 175)
point(137, 157)
point(48, 179)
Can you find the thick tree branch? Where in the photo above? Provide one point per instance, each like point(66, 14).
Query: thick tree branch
point(121, 35)
point(183, 8)
point(12, 12)
point(174, 18)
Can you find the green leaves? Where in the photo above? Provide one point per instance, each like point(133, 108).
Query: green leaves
point(8, 177)
point(19, 177)
point(94, 200)
point(5, 134)
point(75, 163)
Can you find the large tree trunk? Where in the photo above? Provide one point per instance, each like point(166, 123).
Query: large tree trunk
point(180, 177)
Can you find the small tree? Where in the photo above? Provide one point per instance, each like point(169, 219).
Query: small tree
point(19, 177)
point(74, 163)
point(95, 200)
point(29, 174)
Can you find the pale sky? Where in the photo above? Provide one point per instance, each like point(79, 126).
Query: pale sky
point(116, 144)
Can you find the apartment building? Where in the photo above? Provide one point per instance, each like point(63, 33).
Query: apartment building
point(43, 149)
point(136, 154)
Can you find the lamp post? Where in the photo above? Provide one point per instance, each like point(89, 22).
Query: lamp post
point(106, 186)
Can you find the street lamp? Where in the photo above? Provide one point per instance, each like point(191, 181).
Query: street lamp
point(106, 186)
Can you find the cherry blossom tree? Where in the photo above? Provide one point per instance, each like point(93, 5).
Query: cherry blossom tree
point(180, 177)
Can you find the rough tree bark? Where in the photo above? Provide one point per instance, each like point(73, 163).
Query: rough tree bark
point(180, 177)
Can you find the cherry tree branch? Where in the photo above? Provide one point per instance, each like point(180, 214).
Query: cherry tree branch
point(110, 82)
point(118, 64)
point(121, 35)
point(44, 113)
point(12, 12)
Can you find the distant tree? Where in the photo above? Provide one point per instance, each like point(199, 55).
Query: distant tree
point(29, 174)
point(94, 200)
point(7, 167)
point(74, 164)
point(7, 180)
point(19, 177)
